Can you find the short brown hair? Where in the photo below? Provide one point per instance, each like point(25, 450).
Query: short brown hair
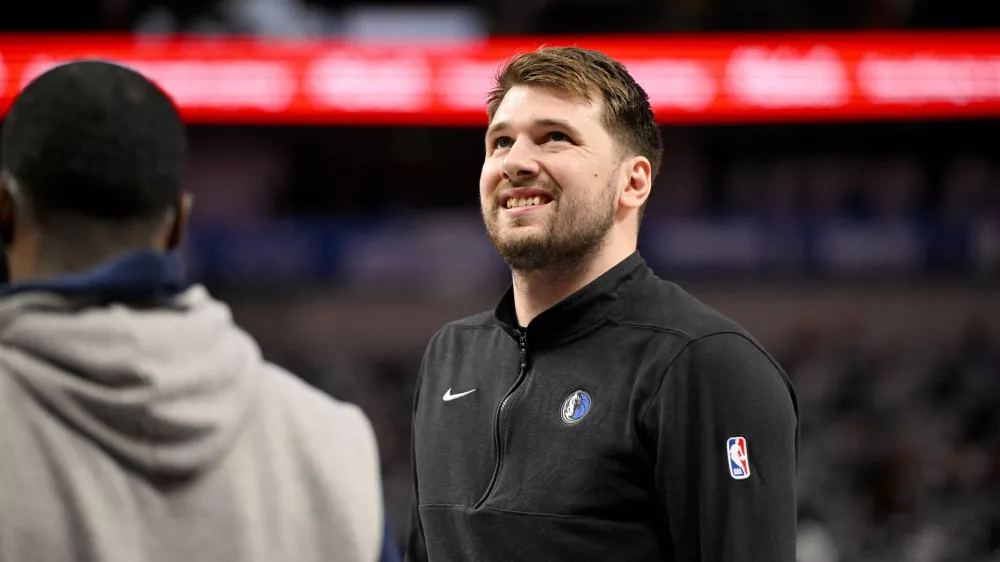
point(585, 74)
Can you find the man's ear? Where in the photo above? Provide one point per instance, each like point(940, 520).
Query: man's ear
point(640, 180)
point(182, 214)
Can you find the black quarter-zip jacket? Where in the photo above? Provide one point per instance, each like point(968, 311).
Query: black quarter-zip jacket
point(628, 422)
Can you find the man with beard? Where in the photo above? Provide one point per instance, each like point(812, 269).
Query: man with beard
point(599, 412)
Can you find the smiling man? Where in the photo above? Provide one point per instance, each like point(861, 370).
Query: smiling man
point(599, 413)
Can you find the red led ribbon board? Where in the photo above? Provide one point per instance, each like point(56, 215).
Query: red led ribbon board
point(689, 78)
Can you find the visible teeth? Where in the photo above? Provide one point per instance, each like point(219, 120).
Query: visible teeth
point(515, 202)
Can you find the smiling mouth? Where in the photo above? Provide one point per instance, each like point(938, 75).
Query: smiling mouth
point(518, 202)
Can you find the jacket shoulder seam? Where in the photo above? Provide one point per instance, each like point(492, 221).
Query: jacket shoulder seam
point(473, 326)
point(673, 360)
point(653, 327)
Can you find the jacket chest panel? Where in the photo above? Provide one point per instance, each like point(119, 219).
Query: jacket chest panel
point(454, 430)
point(564, 441)
point(569, 443)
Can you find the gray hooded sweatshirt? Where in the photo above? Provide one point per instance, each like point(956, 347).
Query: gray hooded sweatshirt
point(160, 434)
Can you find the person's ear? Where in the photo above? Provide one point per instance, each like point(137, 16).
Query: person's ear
point(639, 181)
point(6, 215)
point(179, 228)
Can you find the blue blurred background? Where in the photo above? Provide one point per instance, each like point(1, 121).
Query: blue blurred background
point(865, 255)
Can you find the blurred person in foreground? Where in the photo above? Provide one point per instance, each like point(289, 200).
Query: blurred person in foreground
point(138, 423)
point(599, 413)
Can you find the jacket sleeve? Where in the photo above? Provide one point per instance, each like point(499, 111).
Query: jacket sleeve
point(416, 548)
point(723, 401)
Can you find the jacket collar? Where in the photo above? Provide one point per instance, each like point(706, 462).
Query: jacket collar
point(577, 313)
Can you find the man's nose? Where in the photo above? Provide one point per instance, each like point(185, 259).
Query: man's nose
point(520, 163)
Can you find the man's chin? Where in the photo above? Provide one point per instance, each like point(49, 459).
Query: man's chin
point(523, 238)
point(520, 223)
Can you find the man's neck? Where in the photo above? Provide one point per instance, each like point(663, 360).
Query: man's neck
point(538, 291)
point(42, 262)
point(69, 245)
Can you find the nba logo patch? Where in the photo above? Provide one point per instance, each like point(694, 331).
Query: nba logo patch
point(739, 463)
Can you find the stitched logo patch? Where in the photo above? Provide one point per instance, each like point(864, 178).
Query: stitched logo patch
point(575, 406)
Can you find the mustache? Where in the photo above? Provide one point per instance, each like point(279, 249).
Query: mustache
point(551, 188)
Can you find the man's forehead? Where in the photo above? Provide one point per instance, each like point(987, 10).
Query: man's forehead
point(530, 104)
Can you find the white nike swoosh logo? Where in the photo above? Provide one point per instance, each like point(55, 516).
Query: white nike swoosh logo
point(448, 396)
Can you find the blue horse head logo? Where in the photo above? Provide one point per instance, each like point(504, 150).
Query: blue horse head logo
point(575, 406)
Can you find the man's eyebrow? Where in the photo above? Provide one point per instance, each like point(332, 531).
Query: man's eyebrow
point(547, 122)
point(495, 127)
point(557, 123)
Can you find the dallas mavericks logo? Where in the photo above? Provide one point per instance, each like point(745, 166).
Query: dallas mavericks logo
point(575, 406)
point(739, 463)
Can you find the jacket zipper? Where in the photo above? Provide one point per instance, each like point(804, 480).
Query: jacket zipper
point(497, 422)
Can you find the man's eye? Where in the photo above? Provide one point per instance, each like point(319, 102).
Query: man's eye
point(502, 142)
point(559, 137)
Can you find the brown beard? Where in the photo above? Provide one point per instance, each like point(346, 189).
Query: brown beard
point(574, 233)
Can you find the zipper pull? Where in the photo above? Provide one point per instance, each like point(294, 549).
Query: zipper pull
point(522, 344)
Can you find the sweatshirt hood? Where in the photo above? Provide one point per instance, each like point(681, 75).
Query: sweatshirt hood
point(151, 369)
